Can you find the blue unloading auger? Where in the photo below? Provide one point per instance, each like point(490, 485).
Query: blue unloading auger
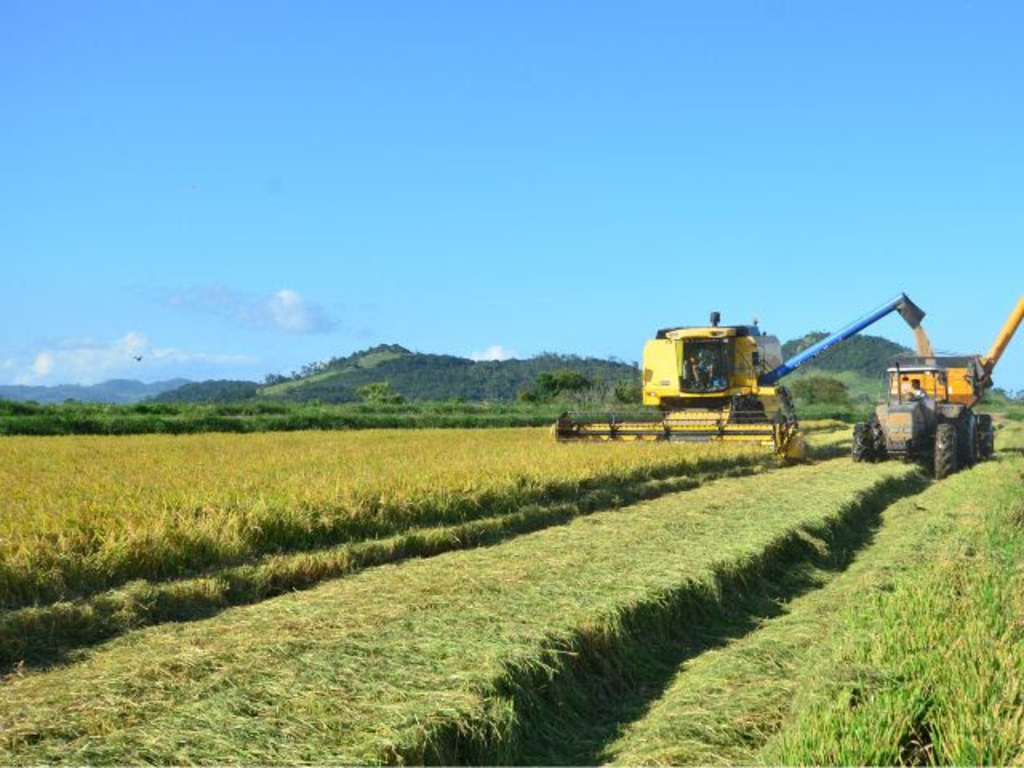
point(908, 310)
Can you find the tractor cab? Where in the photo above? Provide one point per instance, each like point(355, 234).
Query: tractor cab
point(960, 378)
point(918, 382)
point(909, 418)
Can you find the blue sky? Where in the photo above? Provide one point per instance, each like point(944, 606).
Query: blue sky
point(237, 188)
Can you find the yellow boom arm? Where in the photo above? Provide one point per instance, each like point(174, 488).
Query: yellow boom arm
point(990, 360)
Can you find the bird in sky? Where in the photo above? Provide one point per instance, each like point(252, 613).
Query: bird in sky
point(137, 358)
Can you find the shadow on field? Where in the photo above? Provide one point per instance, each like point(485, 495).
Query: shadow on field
point(55, 633)
point(574, 702)
point(826, 451)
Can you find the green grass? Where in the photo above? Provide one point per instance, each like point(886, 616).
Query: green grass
point(927, 667)
point(261, 416)
point(728, 704)
point(269, 415)
point(286, 386)
point(367, 361)
point(849, 413)
point(1009, 430)
point(439, 659)
point(371, 360)
point(374, 359)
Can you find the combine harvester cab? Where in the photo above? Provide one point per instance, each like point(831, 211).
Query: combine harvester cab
point(929, 414)
point(718, 383)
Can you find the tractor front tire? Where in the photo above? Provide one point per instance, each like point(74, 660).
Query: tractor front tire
point(966, 440)
point(986, 437)
point(863, 443)
point(945, 451)
point(880, 448)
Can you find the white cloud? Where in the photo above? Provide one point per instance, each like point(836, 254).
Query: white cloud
point(293, 314)
point(494, 352)
point(85, 361)
point(43, 364)
point(284, 310)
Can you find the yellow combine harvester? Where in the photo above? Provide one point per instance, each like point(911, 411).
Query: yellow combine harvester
point(718, 383)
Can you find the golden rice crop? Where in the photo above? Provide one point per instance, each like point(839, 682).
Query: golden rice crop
point(80, 514)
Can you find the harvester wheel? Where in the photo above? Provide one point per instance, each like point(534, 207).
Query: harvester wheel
point(986, 436)
point(863, 443)
point(746, 409)
point(786, 401)
point(945, 451)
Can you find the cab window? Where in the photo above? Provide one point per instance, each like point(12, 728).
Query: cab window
point(707, 365)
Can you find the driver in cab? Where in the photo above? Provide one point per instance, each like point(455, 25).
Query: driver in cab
point(916, 391)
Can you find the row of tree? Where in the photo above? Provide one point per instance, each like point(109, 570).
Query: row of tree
point(565, 384)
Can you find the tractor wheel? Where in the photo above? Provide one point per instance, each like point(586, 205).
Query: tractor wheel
point(966, 441)
point(863, 443)
point(986, 437)
point(945, 451)
point(878, 439)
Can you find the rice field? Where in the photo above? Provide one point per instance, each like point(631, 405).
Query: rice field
point(102, 535)
point(426, 659)
point(611, 618)
point(83, 514)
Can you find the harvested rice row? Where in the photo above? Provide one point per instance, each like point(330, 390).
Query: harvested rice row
point(928, 669)
point(80, 515)
point(433, 659)
point(49, 633)
point(724, 705)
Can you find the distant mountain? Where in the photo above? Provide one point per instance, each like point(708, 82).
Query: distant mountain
point(415, 375)
point(113, 391)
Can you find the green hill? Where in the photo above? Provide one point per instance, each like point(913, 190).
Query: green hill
point(416, 376)
point(212, 391)
point(859, 362)
point(865, 355)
